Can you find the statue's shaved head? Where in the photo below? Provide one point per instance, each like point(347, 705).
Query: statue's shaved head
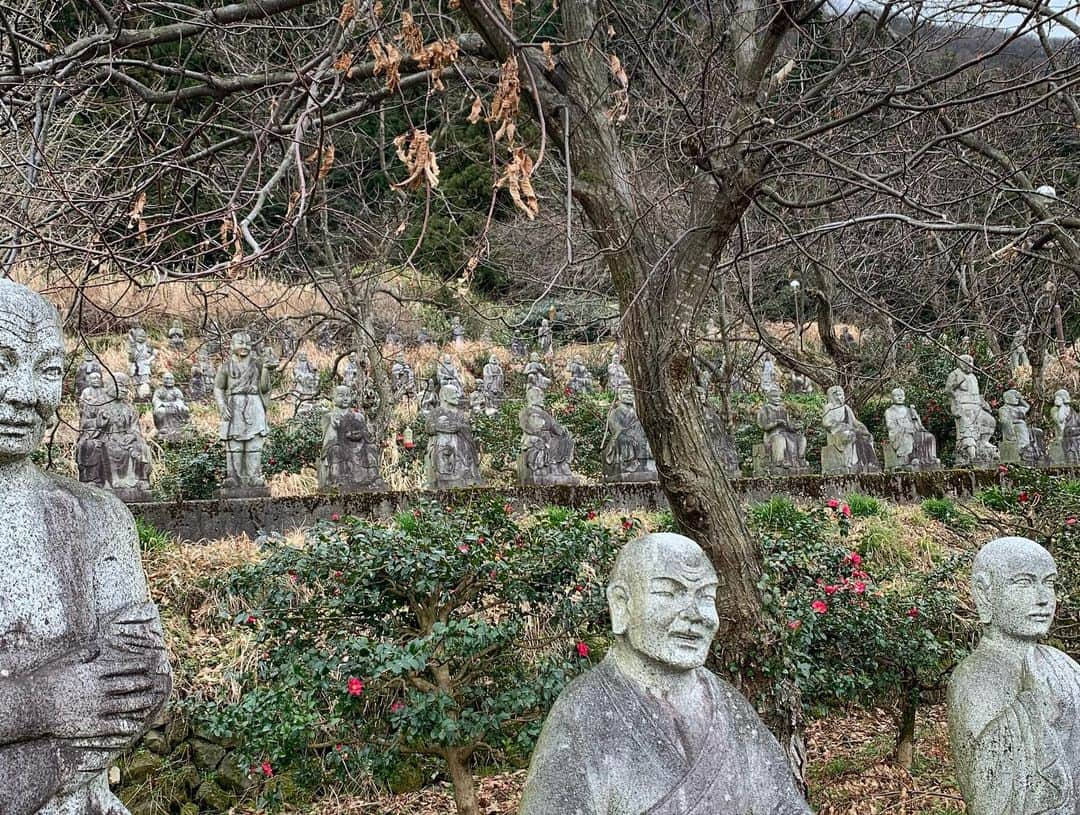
point(27, 315)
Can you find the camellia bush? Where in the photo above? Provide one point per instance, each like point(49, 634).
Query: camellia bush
point(446, 633)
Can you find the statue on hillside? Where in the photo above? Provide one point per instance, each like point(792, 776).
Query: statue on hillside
point(350, 457)
point(535, 373)
point(547, 448)
point(447, 373)
point(453, 458)
point(84, 665)
point(517, 346)
point(201, 384)
point(176, 336)
point(725, 442)
point(1014, 705)
point(494, 382)
point(1065, 448)
point(1018, 355)
point(349, 371)
point(783, 448)
point(768, 373)
point(849, 447)
point(113, 453)
point(972, 416)
point(543, 338)
point(625, 450)
point(1020, 443)
point(910, 445)
point(141, 358)
point(617, 377)
point(650, 729)
point(172, 417)
point(429, 397)
point(90, 447)
point(580, 380)
point(240, 390)
point(404, 378)
point(423, 337)
point(305, 384)
point(82, 373)
point(457, 330)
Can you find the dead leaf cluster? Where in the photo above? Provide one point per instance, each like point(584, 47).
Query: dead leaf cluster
point(517, 178)
point(414, 151)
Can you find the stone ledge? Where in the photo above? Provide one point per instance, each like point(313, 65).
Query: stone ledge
point(207, 520)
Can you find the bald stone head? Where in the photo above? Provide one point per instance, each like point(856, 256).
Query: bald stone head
point(662, 598)
point(1012, 580)
point(31, 369)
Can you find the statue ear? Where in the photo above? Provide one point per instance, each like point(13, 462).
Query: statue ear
point(980, 592)
point(619, 606)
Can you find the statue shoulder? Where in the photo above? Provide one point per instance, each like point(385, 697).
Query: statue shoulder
point(980, 687)
point(105, 516)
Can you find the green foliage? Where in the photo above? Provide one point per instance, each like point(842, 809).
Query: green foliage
point(880, 541)
point(776, 514)
point(150, 537)
point(945, 511)
point(190, 470)
point(294, 445)
point(864, 506)
point(450, 628)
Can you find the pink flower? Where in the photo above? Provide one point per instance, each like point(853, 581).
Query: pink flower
point(464, 548)
point(1003, 469)
point(252, 619)
point(508, 509)
point(860, 587)
point(819, 606)
point(408, 445)
point(590, 516)
point(582, 650)
point(913, 612)
point(794, 625)
point(832, 503)
point(854, 558)
point(1070, 522)
point(831, 590)
point(480, 540)
point(846, 510)
point(355, 686)
point(1022, 498)
point(397, 706)
point(267, 770)
point(627, 524)
point(335, 517)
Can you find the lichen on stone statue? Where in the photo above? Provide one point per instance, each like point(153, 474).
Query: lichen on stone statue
point(83, 666)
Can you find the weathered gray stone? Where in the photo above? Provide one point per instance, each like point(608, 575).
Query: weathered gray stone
point(547, 448)
point(517, 346)
point(625, 450)
point(111, 451)
point(171, 415)
point(404, 378)
point(82, 373)
point(535, 373)
point(206, 754)
point(579, 378)
point(494, 383)
point(768, 373)
point(447, 373)
point(543, 338)
point(1065, 448)
point(350, 457)
point(349, 371)
point(305, 384)
point(650, 730)
point(849, 447)
point(783, 447)
point(910, 446)
point(233, 776)
point(140, 767)
point(240, 390)
point(453, 458)
point(457, 331)
point(83, 667)
point(1013, 703)
point(213, 797)
point(201, 383)
point(176, 336)
point(975, 423)
point(617, 377)
point(1020, 443)
point(141, 356)
point(156, 742)
point(1018, 355)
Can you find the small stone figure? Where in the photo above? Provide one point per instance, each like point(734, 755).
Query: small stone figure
point(349, 371)
point(423, 337)
point(477, 402)
point(201, 384)
point(1020, 444)
point(447, 373)
point(783, 447)
point(517, 346)
point(457, 331)
point(910, 446)
point(650, 729)
point(972, 416)
point(452, 459)
point(625, 450)
point(547, 448)
point(84, 666)
point(1065, 448)
point(141, 356)
point(1018, 355)
point(849, 447)
point(350, 457)
point(176, 336)
point(240, 390)
point(90, 446)
point(580, 380)
point(305, 384)
point(403, 376)
point(127, 464)
point(543, 338)
point(617, 377)
point(725, 442)
point(1013, 703)
point(429, 397)
point(392, 339)
point(86, 367)
point(171, 414)
point(535, 373)
point(494, 382)
point(800, 384)
point(768, 373)
point(289, 341)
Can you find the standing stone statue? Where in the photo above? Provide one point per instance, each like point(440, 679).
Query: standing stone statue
point(447, 373)
point(457, 330)
point(1018, 355)
point(82, 373)
point(517, 346)
point(547, 448)
point(350, 457)
point(453, 458)
point(800, 384)
point(580, 380)
point(1020, 444)
point(650, 729)
point(83, 665)
point(910, 446)
point(201, 384)
point(429, 397)
point(1014, 705)
point(625, 450)
point(543, 338)
point(126, 465)
point(494, 382)
point(768, 373)
point(90, 447)
point(141, 357)
point(176, 336)
point(478, 402)
point(404, 378)
point(1065, 448)
point(783, 447)
point(535, 373)
point(289, 340)
point(349, 371)
point(171, 414)
point(305, 384)
point(725, 442)
point(240, 390)
point(972, 416)
point(849, 447)
point(617, 377)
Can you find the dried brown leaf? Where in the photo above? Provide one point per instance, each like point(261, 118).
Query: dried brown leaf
point(344, 62)
point(387, 61)
point(348, 11)
point(517, 179)
point(477, 110)
point(414, 151)
point(411, 35)
point(549, 56)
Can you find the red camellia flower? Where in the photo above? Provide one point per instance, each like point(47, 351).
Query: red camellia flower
point(832, 503)
point(1003, 469)
point(408, 445)
point(627, 524)
point(480, 540)
point(831, 590)
point(397, 706)
point(355, 686)
point(913, 612)
point(846, 510)
point(1070, 522)
point(794, 625)
point(854, 558)
point(567, 391)
point(1022, 498)
point(335, 517)
point(582, 650)
point(416, 513)
point(590, 516)
point(267, 770)
point(819, 606)
point(252, 619)
point(508, 509)
point(464, 548)
point(859, 587)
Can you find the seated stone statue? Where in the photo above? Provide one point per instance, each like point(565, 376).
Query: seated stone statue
point(849, 447)
point(625, 450)
point(176, 336)
point(403, 376)
point(127, 457)
point(650, 731)
point(617, 377)
point(975, 423)
point(171, 415)
point(305, 384)
point(910, 445)
point(1014, 705)
point(350, 457)
point(1065, 449)
point(83, 666)
point(783, 449)
point(547, 448)
point(579, 378)
point(453, 458)
point(517, 346)
point(535, 373)
point(446, 372)
point(1020, 443)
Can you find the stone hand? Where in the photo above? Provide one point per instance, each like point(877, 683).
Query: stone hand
point(1046, 701)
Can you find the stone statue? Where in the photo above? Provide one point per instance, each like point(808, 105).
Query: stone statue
point(201, 385)
point(535, 373)
point(86, 367)
point(650, 729)
point(116, 455)
point(1020, 444)
point(972, 416)
point(1018, 356)
point(457, 330)
point(910, 446)
point(240, 390)
point(452, 459)
point(547, 448)
point(494, 382)
point(783, 447)
point(83, 666)
point(423, 337)
point(404, 378)
point(176, 336)
point(1065, 448)
point(849, 447)
point(141, 357)
point(768, 373)
point(625, 451)
point(305, 384)
point(543, 338)
point(350, 457)
point(1014, 705)
point(429, 397)
point(349, 371)
point(289, 341)
point(447, 373)
point(90, 446)
point(800, 384)
point(171, 415)
point(580, 380)
point(517, 346)
point(617, 377)
point(477, 402)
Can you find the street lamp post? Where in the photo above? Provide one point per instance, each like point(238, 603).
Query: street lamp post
point(795, 286)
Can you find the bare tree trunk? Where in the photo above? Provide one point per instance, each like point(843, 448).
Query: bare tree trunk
point(905, 736)
point(461, 777)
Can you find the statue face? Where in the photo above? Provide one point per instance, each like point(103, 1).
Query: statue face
point(966, 363)
point(168, 380)
point(450, 396)
point(140, 335)
point(626, 396)
point(341, 397)
point(31, 369)
point(898, 396)
point(1062, 398)
point(93, 379)
point(836, 395)
point(534, 357)
point(1012, 397)
point(241, 345)
point(1013, 584)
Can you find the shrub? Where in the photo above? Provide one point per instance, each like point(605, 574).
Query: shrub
point(190, 470)
point(880, 541)
point(776, 514)
point(944, 510)
point(292, 446)
point(150, 537)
